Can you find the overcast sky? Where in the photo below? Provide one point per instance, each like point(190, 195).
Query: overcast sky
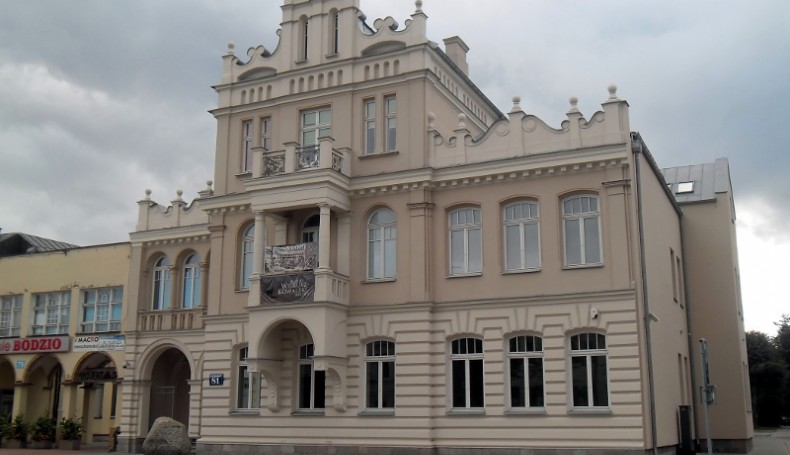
point(101, 99)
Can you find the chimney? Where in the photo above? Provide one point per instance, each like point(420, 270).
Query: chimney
point(456, 49)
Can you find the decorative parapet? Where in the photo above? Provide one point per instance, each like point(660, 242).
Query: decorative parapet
point(152, 216)
point(522, 134)
point(383, 36)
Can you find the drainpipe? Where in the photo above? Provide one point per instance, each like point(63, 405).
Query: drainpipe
point(636, 147)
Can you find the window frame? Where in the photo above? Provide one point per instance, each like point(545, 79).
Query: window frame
point(523, 356)
point(378, 354)
point(247, 143)
point(465, 359)
point(115, 302)
point(581, 217)
point(11, 317)
point(316, 401)
point(161, 282)
point(369, 126)
point(465, 229)
point(383, 229)
point(390, 124)
point(523, 247)
point(58, 318)
point(246, 253)
point(579, 348)
point(191, 273)
point(321, 129)
point(248, 385)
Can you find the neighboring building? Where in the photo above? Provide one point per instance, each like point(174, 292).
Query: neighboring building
point(61, 349)
point(704, 193)
point(386, 262)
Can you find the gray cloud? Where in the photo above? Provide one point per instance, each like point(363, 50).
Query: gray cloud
point(100, 99)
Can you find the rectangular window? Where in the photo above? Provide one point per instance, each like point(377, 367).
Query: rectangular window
point(390, 115)
point(466, 246)
point(51, 313)
point(526, 371)
point(590, 386)
point(312, 383)
point(522, 236)
point(468, 385)
point(266, 134)
point(370, 127)
point(581, 223)
point(246, 145)
point(10, 315)
point(380, 375)
point(248, 384)
point(101, 309)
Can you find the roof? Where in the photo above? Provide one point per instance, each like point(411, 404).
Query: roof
point(19, 243)
point(698, 182)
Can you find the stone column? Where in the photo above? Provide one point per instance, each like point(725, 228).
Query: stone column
point(173, 293)
point(324, 238)
point(258, 249)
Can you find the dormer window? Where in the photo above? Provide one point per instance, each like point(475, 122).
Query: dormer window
point(685, 187)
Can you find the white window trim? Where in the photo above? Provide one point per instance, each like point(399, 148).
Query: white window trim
point(111, 304)
point(247, 240)
point(64, 301)
point(369, 119)
point(12, 316)
point(309, 360)
point(160, 300)
point(381, 247)
point(390, 148)
point(582, 244)
point(465, 228)
point(378, 361)
point(525, 365)
point(466, 358)
point(587, 354)
point(253, 382)
point(247, 138)
point(194, 282)
point(520, 222)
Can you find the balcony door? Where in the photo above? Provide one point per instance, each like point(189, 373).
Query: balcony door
point(310, 229)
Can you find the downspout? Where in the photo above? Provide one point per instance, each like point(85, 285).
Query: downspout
point(692, 376)
point(636, 146)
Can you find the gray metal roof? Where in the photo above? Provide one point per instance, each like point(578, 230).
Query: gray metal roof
point(706, 180)
point(18, 243)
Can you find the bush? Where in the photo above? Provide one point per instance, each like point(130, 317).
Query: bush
point(44, 429)
point(70, 429)
point(17, 429)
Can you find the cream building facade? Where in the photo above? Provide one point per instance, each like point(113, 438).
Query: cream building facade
point(61, 347)
point(385, 262)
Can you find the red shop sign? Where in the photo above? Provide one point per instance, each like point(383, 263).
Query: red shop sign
point(38, 344)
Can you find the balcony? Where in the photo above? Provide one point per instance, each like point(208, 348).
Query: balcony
point(299, 159)
point(166, 320)
point(292, 275)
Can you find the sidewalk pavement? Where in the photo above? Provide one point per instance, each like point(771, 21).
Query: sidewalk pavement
point(765, 443)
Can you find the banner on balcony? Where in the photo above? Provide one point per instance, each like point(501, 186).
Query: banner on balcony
point(291, 258)
point(290, 288)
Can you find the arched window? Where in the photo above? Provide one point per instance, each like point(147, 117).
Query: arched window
point(191, 282)
point(525, 359)
point(161, 297)
point(522, 236)
point(588, 370)
point(466, 245)
point(380, 374)
point(466, 358)
point(382, 243)
point(247, 244)
point(581, 224)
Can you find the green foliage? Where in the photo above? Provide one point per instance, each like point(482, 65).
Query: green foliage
point(782, 339)
point(17, 428)
point(769, 375)
point(44, 429)
point(70, 428)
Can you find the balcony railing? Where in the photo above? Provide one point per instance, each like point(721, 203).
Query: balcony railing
point(164, 320)
point(304, 287)
point(296, 158)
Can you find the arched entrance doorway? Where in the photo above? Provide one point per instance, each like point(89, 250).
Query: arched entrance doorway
point(98, 378)
point(7, 380)
point(45, 376)
point(170, 387)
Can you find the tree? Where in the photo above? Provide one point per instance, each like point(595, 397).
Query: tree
point(782, 339)
point(768, 374)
